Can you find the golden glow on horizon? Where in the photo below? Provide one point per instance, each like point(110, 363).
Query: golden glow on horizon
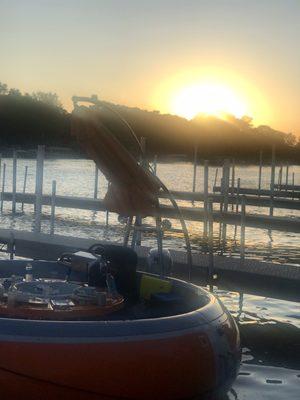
point(208, 98)
point(212, 91)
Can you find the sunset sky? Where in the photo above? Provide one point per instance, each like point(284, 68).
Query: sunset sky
point(181, 57)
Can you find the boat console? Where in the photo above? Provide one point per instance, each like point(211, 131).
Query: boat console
point(55, 300)
point(89, 290)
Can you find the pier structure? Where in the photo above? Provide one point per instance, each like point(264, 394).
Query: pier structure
point(236, 274)
point(225, 205)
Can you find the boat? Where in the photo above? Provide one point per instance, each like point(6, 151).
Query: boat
point(91, 325)
point(177, 341)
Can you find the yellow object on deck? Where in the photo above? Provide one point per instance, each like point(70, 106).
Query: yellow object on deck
point(151, 285)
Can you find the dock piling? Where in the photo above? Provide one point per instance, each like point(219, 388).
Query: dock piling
point(195, 169)
point(3, 186)
point(280, 177)
point(260, 171)
point(210, 245)
point(24, 184)
point(243, 229)
point(272, 180)
point(225, 190)
point(14, 182)
point(232, 181)
point(216, 177)
point(96, 182)
point(237, 203)
point(53, 198)
point(225, 184)
point(39, 187)
point(287, 176)
point(205, 189)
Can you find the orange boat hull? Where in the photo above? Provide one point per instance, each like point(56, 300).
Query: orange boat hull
point(172, 368)
point(181, 356)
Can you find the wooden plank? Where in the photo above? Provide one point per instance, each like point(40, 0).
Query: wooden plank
point(288, 187)
point(262, 192)
point(284, 224)
point(85, 203)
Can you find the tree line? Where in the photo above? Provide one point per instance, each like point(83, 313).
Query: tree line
point(27, 120)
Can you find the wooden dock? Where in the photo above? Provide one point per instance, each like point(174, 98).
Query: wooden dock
point(280, 192)
point(189, 213)
point(228, 204)
point(249, 276)
point(288, 187)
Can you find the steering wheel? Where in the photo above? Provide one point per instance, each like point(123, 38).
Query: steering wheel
point(65, 259)
point(97, 250)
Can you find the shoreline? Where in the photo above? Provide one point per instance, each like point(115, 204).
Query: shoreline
point(70, 154)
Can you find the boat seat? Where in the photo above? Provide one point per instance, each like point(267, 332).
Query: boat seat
point(165, 298)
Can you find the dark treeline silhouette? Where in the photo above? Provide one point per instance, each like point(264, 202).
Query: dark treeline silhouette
point(27, 120)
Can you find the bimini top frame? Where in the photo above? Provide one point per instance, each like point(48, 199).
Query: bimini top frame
point(95, 101)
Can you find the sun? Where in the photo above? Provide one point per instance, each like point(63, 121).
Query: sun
point(210, 90)
point(207, 98)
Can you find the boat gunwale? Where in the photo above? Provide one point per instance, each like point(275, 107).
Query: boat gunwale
point(93, 329)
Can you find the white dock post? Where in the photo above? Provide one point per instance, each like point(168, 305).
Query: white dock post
point(232, 181)
point(14, 183)
point(3, 185)
point(237, 203)
point(96, 182)
point(287, 176)
point(0, 165)
point(24, 184)
point(293, 184)
point(272, 180)
point(221, 192)
point(238, 195)
point(210, 244)
point(53, 198)
point(260, 172)
point(39, 187)
point(225, 183)
point(280, 177)
point(216, 177)
point(206, 175)
point(243, 220)
point(225, 190)
point(195, 168)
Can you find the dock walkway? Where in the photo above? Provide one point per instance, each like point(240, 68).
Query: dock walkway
point(250, 276)
point(285, 224)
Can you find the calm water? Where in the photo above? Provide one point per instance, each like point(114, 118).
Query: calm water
point(270, 329)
